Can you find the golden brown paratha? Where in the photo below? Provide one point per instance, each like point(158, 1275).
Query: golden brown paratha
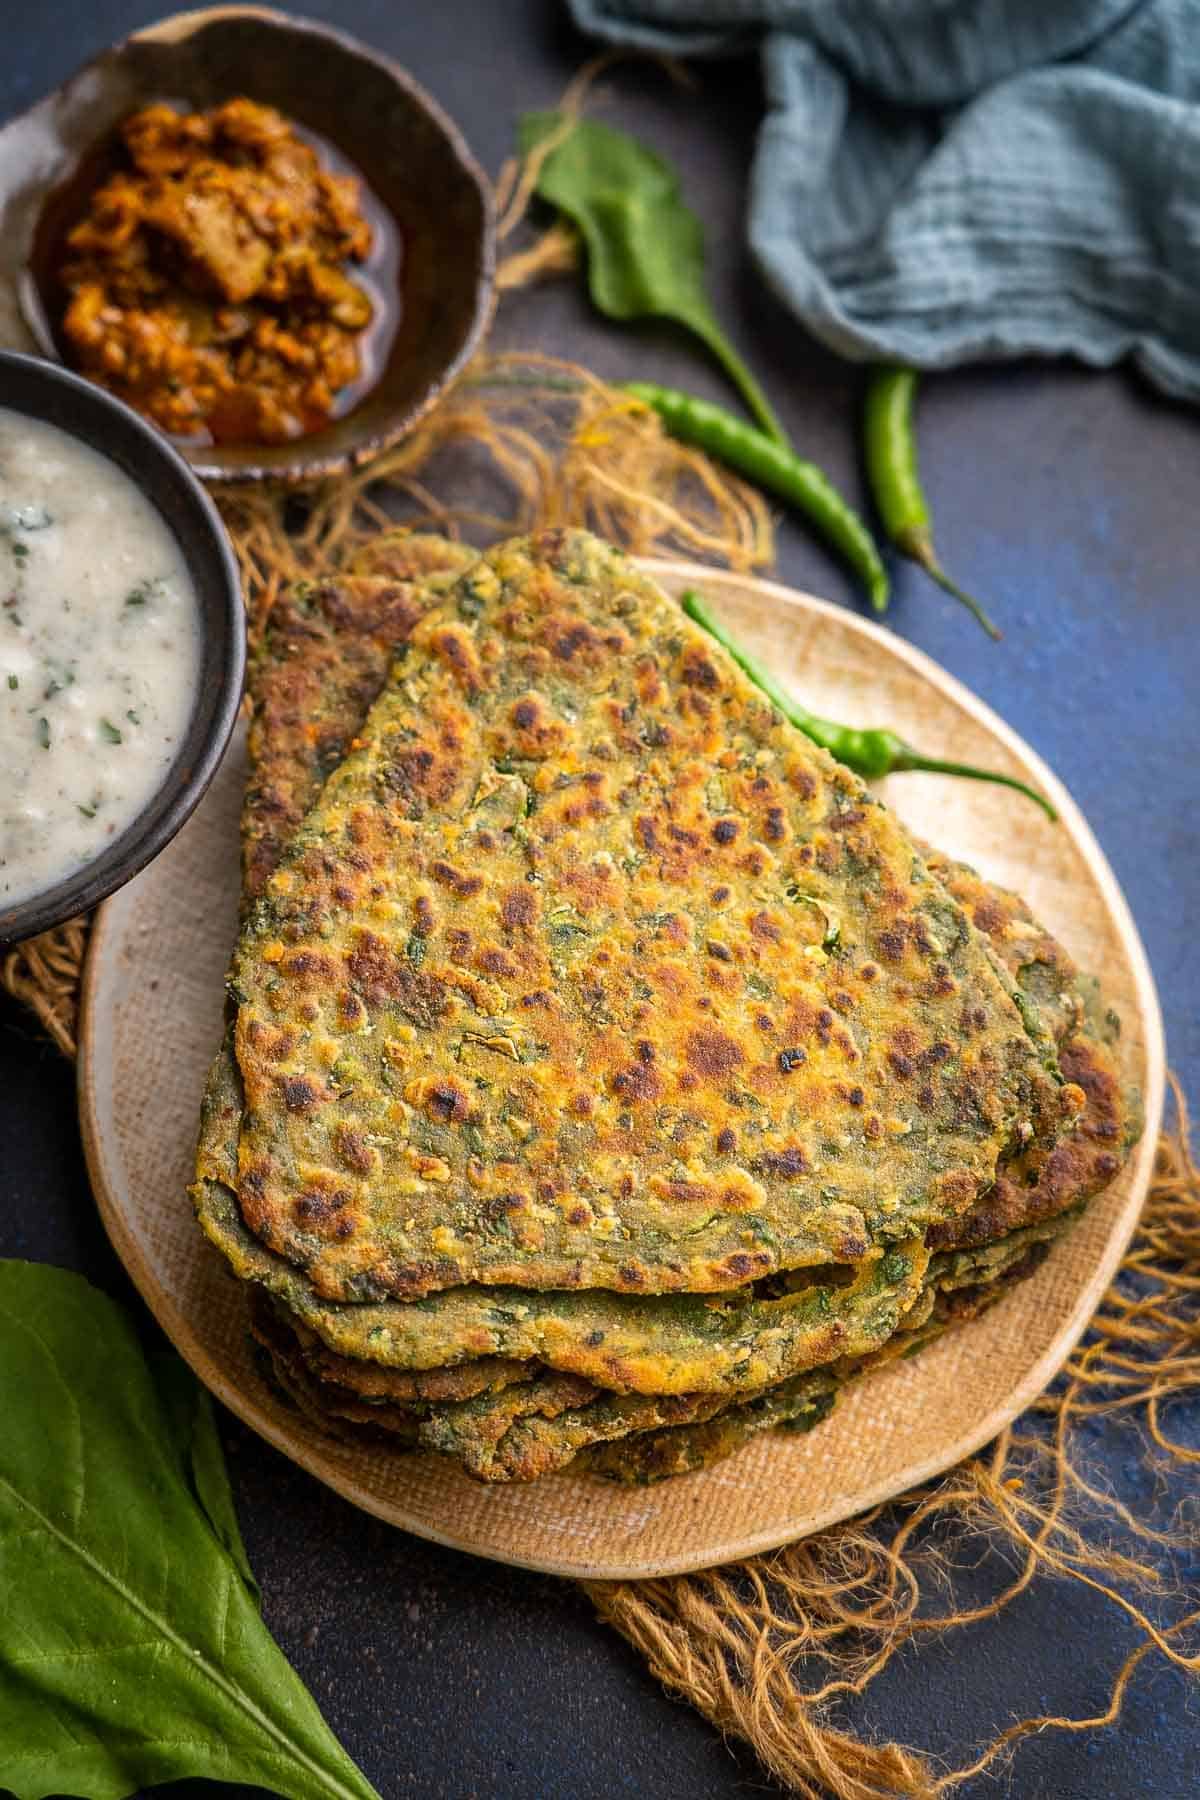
point(521, 1430)
point(287, 660)
point(797, 1405)
point(324, 661)
point(586, 970)
point(547, 1421)
point(324, 656)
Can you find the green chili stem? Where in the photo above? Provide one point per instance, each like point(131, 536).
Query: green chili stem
point(746, 384)
point(774, 467)
point(891, 454)
point(871, 753)
point(906, 758)
point(918, 547)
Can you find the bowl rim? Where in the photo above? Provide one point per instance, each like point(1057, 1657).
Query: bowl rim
point(182, 785)
point(307, 467)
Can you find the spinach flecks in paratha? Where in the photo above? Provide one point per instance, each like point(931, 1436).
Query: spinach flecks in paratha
point(530, 999)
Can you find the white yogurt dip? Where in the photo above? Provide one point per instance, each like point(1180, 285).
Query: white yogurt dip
point(99, 654)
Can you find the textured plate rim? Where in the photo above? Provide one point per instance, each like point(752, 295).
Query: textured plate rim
point(174, 1321)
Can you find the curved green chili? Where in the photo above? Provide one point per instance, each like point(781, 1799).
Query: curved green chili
point(891, 453)
point(773, 466)
point(870, 753)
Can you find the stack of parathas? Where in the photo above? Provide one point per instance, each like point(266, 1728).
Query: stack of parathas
point(609, 1076)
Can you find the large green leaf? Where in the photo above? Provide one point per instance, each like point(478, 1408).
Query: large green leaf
point(202, 1461)
point(645, 247)
point(131, 1648)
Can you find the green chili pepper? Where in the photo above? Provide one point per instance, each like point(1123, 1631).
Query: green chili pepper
point(775, 467)
point(869, 753)
point(891, 452)
point(645, 246)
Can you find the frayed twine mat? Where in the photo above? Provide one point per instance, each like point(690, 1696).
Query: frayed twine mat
point(770, 1648)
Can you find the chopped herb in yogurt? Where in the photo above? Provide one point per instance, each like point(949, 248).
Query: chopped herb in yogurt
point(99, 653)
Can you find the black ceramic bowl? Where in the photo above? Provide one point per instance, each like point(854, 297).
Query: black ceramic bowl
point(428, 201)
point(45, 391)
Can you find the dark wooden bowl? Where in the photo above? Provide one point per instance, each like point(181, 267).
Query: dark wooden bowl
point(42, 390)
point(432, 202)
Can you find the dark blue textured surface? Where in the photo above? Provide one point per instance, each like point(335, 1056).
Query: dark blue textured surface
point(1069, 500)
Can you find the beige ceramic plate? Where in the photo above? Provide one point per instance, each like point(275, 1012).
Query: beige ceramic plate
point(152, 1020)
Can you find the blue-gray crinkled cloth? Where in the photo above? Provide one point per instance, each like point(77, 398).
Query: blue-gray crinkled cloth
point(944, 180)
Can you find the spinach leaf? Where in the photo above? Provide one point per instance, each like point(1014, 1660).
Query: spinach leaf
point(645, 246)
point(202, 1461)
point(131, 1647)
